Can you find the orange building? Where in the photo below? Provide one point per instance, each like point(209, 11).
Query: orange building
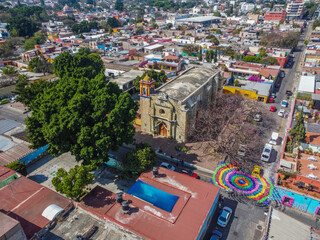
point(275, 16)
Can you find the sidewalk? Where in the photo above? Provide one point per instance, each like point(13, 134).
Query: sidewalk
point(196, 153)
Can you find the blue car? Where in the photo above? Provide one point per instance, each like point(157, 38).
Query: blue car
point(216, 235)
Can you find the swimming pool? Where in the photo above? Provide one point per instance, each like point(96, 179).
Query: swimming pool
point(155, 196)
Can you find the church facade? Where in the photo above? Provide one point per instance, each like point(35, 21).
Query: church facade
point(168, 111)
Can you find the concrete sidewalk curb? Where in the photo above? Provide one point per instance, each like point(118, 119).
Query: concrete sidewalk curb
point(175, 160)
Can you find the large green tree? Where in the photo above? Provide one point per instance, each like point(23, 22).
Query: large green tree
point(88, 117)
point(158, 77)
point(84, 26)
point(139, 160)
point(73, 182)
point(113, 22)
point(21, 26)
point(298, 131)
point(38, 38)
point(28, 94)
point(80, 65)
point(119, 5)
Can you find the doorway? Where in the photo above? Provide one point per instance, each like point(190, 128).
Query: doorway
point(163, 129)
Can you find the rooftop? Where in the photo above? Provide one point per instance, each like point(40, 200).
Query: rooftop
point(185, 221)
point(78, 221)
point(307, 84)
point(126, 77)
point(198, 19)
point(185, 84)
point(25, 200)
point(284, 227)
point(260, 87)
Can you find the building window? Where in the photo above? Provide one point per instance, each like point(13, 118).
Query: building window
point(162, 111)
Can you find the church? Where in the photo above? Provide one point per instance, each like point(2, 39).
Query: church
point(168, 111)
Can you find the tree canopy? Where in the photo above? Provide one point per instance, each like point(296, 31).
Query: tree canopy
point(80, 65)
point(159, 77)
point(273, 39)
point(113, 22)
point(190, 49)
point(81, 112)
point(139, 160)
point(119, 5)
point(84, 26)
point(18, 167)
point(38, 38)
point(25, 21)
point(73, 182)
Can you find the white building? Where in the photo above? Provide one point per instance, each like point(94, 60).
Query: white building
point(295, 9)
point(246, 7)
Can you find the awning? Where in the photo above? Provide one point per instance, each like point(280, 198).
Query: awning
point(52, 211)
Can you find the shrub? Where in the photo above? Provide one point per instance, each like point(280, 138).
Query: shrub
point(18, 167)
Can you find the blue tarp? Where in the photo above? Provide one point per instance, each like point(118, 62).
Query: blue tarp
point(27, 159)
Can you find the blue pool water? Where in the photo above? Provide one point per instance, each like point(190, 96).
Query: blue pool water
point(301, 202)
point(153, 195)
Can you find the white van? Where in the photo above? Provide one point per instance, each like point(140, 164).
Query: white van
point(274, 138)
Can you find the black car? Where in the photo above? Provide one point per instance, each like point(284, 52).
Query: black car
point(289, 93)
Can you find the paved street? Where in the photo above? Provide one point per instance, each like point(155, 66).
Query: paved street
point(12, 114)
point(247, 220)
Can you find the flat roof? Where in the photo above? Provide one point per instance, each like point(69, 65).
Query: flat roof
point(155, 46)
point(79, 220)
point(185, 84)
point(198, 19)
point(25, 200)
point(126, 77)
point(284, 227)
point(186, 219)
point(6, 223)
point(307, 84)
point(260, 87)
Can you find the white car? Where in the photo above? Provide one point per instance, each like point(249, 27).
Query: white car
point(224, 217)
point(266, 153)
point(281, 112)
point(284, 103)
point(168, 166)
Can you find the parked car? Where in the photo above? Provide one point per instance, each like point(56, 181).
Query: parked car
point(257, 118)
point(271, 100)
point(272, 95)
point(284, 103)
point(256, 171)
point(216, 235)
point(4, 101)
point(242, 150)
point(272, 109)
point(190, 173)
point(282, 75)
point(168, 166)
point(274, 138)
point(289, 93)
point(281, 113)
point(277, 85)
point(224, 217)
point(266, 152)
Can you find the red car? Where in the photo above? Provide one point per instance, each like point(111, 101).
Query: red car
point(271, 100)
point(190, 173)
point(272, 109)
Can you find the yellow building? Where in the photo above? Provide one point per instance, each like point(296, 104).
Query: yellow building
point(252, 90)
